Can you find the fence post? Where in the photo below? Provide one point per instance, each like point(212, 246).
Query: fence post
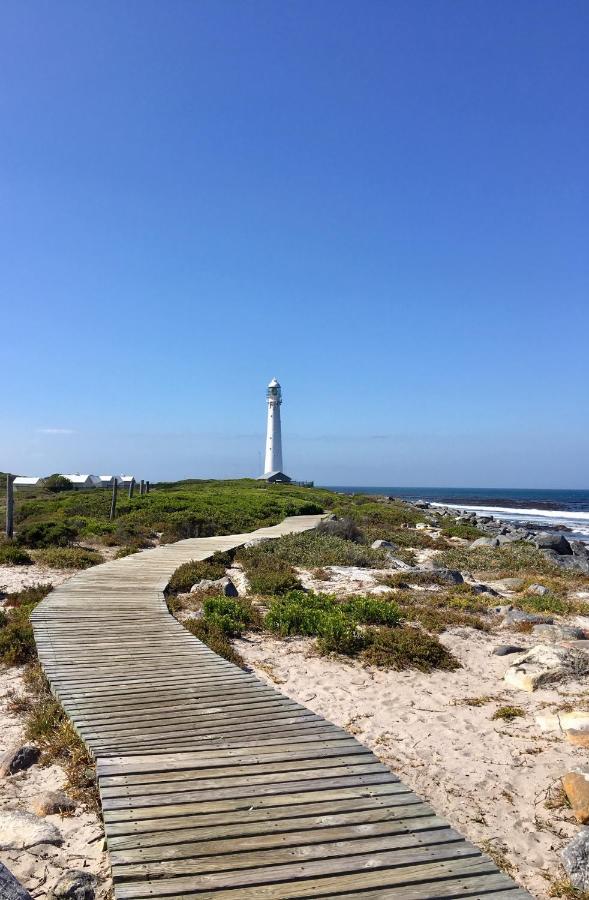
point(142, 487)
point(113, 504)
point(9, 506)
point(147, 487)
point(131, 487)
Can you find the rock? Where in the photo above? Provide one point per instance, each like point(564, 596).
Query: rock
point(545, 665)
point(19, 830)
point(51, 803)
point(380, 545)
point(557, 542)
point(74, 885)
point(578, 737)
point(508, 584)
point(576, 719)
point(450, 576)
point(508, 539)
point(538, 589)
point(484, 520)
point(517, 616)
point(556, 633)
point(10, 888)
point(395, 563)
point(575, 860)
point(560, 560)
point(506, 649)
point(421, 504)
point(576, 786)
point(485, 542)
point(484, 589)
point(224, 585)
point(17, 758)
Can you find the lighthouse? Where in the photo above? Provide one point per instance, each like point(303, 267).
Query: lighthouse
point(273, 459)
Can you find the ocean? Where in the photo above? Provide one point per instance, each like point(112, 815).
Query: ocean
point(548, 508)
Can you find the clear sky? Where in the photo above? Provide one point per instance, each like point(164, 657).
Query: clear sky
point(383, 204)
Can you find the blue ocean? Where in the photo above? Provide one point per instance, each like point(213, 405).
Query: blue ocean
point(540, 507)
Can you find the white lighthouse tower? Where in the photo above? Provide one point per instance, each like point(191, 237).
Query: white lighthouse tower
point(273, 460)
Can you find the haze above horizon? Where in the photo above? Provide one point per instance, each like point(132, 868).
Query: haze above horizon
point(385, 206)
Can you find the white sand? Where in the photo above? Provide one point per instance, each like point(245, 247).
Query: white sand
point(489, 778)
point(14, 578)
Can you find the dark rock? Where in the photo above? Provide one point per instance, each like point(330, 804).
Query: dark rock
point(421, 504)
point(557, 542)
point(17, 758)
point(10, 888)
point(484, 589)
point(75, 885)
point(575, 859)
point(506, 649)
point(483, 520)
point(562, 561)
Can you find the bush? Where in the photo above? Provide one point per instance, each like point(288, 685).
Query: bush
point(547, 603)
point(371, 611)
point(344, 528)
point(57, 483)
point(508, 713)
point(407, 648)
point(231, 615)
point(69, 558)
point(216, 639)
point(311, 549)
point(190, 573)
point(298, 613)
point(339, 634)
point(46, 534)
point(11, 555)
point(273, 578)
point(128, 550)
point(17, 643)
point(504, 561)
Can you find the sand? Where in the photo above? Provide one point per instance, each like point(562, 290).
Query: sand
point(490, 779)
point(40, 867)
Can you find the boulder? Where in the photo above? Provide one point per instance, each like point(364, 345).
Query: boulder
point(485, 542)
point(570, 563)
point(52, 803)
point(538, 589)
point(383, 545)
point(507, 649)
point(450, 576)
point(557, 542)
point(546, 664)
point(17, 758)
point(484, 520)
point(421, 504)
point(518, 616)
point(224, 585)
point(10, 888)
point(555, 633)
point(508, 584)
point(508, 538)
point(396, 563)
point(74, 885)
point(19, 830)
point(575, 860)
point(576, 786)
point(576, 719)
point(578, 737)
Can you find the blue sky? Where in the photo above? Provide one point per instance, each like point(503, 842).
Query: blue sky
point(383, 204)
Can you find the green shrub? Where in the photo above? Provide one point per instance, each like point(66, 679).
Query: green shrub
point(464, 530)
point(274, 577)
point(231, 615)
point(46, 534)
point(57, 483)
point(298, 613)
point(407, 648)
point(502, 562)
point(17, 643)
point(68, 557)
point(508, 713)
point(344, 528)
point(371, 611)
point(311, 549)
point(338, 633)
point(190, 573)
point(546, 603)
point(127, 550)
point(211, 635)
point(12, 555)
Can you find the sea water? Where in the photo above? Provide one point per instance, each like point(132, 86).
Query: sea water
point(539, 507)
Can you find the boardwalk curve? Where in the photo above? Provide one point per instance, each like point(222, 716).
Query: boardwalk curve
point(215, 785)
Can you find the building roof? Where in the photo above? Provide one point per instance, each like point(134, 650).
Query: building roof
point(27, 479)
point(127, 478)
point(77, 478)
point(105, 477)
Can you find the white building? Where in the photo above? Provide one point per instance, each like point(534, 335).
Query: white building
point(273, 459)
point(27, 483)
point(81, 482)
point(125, 480)
point(105, 481)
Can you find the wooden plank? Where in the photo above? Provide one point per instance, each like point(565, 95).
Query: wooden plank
point(215, 785)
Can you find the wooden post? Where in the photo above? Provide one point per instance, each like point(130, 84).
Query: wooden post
point(9, 506)
point(131, 487)
point(147, 487)
point(142, 487)
point(113, 505)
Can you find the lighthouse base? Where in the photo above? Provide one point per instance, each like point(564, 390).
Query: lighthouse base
point(275, 478)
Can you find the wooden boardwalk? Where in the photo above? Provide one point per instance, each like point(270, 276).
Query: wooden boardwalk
point(215, 785)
